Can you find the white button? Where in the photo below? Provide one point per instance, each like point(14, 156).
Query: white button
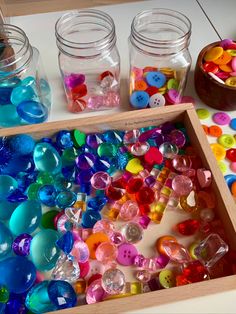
point(157, 100)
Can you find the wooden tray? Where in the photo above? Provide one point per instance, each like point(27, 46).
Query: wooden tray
point(226, 207)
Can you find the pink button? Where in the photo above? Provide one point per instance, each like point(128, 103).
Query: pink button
point(173, 96)
point(233, 64)
point(221, 118)
point(126, 254)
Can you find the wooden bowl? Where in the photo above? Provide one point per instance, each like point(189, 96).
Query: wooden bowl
point(211, 92)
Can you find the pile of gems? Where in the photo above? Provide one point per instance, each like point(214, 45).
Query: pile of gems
point(220, 62)
point(91, 92)
point(74, 208)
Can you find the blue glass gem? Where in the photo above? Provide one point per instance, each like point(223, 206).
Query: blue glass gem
point(21, 244)
point(16, 304)
point(94, 140)
point(156, 79)
point(22, 144)
point(6, 88)
point(5, 157)
point(84, 176)
point(62, 294)
point(85, 161)
point(6, 209)
point(97, 203)
point(47, 195)
point(64, 139)
point(19, 164)
point(102, 164)
point(89, 218)
point(32, 111)
point(46, 158)
point(17, 273)
point(86, 188)
point(121, 160)
point(139, 99)
point(66, 242)
point(22, 93)
point(26, 217)
point(66, 199)
point(5, 241)
point(69, 173)
point(7, 186)
point(113, 137)
point(9, 116)
point(43, 249)
point(2, 308)
point(61, 184)
point(37, 299)
point(17, 197)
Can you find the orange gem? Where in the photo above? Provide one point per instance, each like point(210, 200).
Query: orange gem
point(159, 243)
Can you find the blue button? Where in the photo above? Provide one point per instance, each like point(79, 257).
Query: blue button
point(156, 79)
point(233, 124)
point(139, 99)
point(230, 179)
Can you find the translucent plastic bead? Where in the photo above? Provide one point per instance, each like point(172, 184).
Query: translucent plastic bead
point(117, 238)
point(204, 177)
point(188, 227)
point(134, 185)
point(176, 252)
point(7, 185)
point(143, 275)
point(211, 249)
point(104, 225)
point(22, 93)
point(5, 241)
point(129, 210)
point(32, 111)
point(182, 185)
point(21, 244)
point(100, 180)
point(145, 196)
point(80, 251)
point(95, 292)
point(181, 163)
point(113, 281)
point(106, 252)
point(169, 150)
point(139, 260)
point(65, 199)
point(47, 195)
point(207, 214)
point(66, 268)
point(132, 232)
point(46, 158)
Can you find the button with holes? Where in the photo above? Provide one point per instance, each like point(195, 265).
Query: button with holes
point(126, 254)
point(156, 78)
point(157, 100)
point(167, 278)
point(139, 99)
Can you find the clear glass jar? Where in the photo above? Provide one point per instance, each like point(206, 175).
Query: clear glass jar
point(89, 60)
point(159, 58)
point(25, 96)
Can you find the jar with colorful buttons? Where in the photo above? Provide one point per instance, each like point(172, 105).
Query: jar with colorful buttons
point(159, 58)
point(88, 60)
point(25, 95)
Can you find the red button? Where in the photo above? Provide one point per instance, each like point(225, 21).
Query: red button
point(231, 154)
point(210, 67)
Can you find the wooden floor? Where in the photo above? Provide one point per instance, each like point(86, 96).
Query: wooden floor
point(24, 7)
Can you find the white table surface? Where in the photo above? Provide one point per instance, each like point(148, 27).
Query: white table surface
point(40, 30)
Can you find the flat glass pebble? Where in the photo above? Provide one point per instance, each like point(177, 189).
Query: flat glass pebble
point(46, 158)
point(26, 217)
point(47, 195)
point(132, 232)
point(17, 273)
point(113, 281)
point(107, 149)
point(22, 93)
point(43, 249)
point(100, 180)
point(32, 111)
point(65, 199)
point(21, 244)
point(5, 241)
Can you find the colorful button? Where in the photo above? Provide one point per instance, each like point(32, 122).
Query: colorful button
point(222, 166)
point(157, 79)
point(140, 85)
point(139, 99)
point(226, 68)
point(213, 53)
point(233, 166)
point(126, 254)
point(205, 129)
point(226, 140)
point(223, 59)
point(151, 90)
point(173, 84)
point(233, 124)
point(173, 96)
point(230, 179)
point(231, 154)
point(94, 240)
point(157, 100)
point(218, 151)
point(203, 113)
point(221, 118)
point(167, 278)
point(233, 189)
point(231, 81)
point(215, 131)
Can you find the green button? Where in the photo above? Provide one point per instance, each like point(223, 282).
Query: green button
point(226, 140)
point(173, 84)
point(222, 166)
point(203, 114)
point(167, 278)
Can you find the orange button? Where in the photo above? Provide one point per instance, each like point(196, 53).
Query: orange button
point(94, 240)
point(159, 243)
point(140, 85)
point(233, 188)
point(215, 131)
point(226, 68)
point(223, 59)
point(213, 53)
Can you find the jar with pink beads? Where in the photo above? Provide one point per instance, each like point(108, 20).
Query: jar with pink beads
point(88, 60)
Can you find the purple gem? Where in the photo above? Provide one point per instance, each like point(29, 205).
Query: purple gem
point(150, 181)
point(73, 80)
point(144, 221)
point(21, 244)
point(178, 138)
point(138, 260)
point(84, 177)
point(85, 161)
point(159, 139)
point(149, 134)
point(93, 140)
point(167, 127)
point(162, 260)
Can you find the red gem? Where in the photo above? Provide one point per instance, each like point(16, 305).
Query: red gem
point(181, 280)
point(77, 105)
point(153, 156)
point(231, 154)
point(134, 185)
point(104, 74)
point(145, 196)
point(188, 227)
point(114, 194)
point(93, 278)
point(79, 91)
point(144, 209)
point(119, 183)
point(56, 218)
point(195, 272)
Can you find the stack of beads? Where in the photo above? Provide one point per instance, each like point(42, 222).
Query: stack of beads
point(75, 207)
point(89, 93)
point(220, 62)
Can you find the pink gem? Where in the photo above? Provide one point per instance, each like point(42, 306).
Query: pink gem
point(182, 185)
point(95, 292)
point(176, 252)
point(182, 163)
point(100, 180)
point(77, 105)
point(105, 226)
point(112, 99)
point(117, 238)
point(80, 251)
point(129, 210)
point(144, 221)
point(106, 252)
point(204, 177)
point(162, 260)
point(95, 102)
point(143, 275)
point(207, 214)
point(138, 260)
point(113, 281)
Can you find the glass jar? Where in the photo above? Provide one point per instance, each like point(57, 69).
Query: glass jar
point(159, 58)
point(89, 60)
point(25, 96)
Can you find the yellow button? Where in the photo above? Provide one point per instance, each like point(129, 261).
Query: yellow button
point(218, 150)
point(213, 53)
point(223, 59)
point(226, 140)
point(167, 278)
point(231, 81)
point(222, 166)
point(203, 113)
point(232, 52)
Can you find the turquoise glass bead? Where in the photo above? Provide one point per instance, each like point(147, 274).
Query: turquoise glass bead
point(37, 299)
point(46, 158)
point(22, 93)
point(5, 241)
point(7, 185)
point(29, 81)
point(9, 116)
point(32, 111)
point(18, 274)
point(26, 217)
point(43, 249)
point(6, 209)
point(6, 88)
point(66, 199)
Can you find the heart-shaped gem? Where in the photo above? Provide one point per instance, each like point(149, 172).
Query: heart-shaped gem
point(153, 156)
point(134, 166)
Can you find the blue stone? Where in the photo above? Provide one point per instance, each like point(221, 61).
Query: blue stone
point(90, 217)
point(6, 88)
point(3, 308)
point(7, 186)
point(64, 139)
point(86, 188)
point(61, 184)
point(69, 173)
point(66, 199)
point(46, 158)
point(16, 304)
point(32, 111)
point(29, 81)
point(17, 273)
point(62, 294)
point(19, 164)
point(22, 93)
point(22, 144)
point(26, 217)
point(47, 195)
point(66, 242)
point(102, 164)
point(121, 160)
point(5, 242)
point(6, 209)
point(97, 203)
point(9, 116)
point(17, 197)
point(113, 137)
point(5, 157)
